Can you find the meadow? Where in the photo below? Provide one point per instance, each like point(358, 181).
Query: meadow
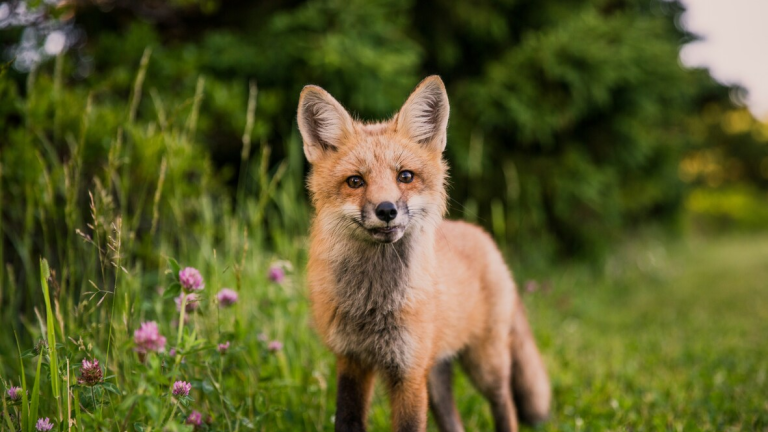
point(664, 335)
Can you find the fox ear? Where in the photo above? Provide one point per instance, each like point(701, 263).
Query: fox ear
point(323, 122)
point(424, 116)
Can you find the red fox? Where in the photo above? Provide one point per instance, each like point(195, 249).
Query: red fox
point(396, 289)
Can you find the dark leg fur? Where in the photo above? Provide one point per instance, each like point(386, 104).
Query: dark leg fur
point(355, 383)
point(441, 400)
point(489, 368)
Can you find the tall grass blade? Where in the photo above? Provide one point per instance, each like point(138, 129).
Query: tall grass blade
point(56, 96)
point(498, 220)
point(191, 126)
point(158, 194)
point(245, 154)
point(138, 84)
point(69, 401)
point(79, 420)
point(6, 417)
point(33, 409)
point(50, 319)
point(24, 400)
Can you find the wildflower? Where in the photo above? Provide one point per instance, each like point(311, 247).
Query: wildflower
point(148, 338)
point(531, 286)
point(192, 303)
point(276, 274)
point(14, 393)
point(90, 373)
point(195, 418)
point(224, 347)
point(275, 346)
point(190, 279)
point(44, 425)
point(181, 388)
point(226, 297)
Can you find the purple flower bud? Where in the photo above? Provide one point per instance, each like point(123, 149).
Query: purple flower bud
point(223, 347)
point(181, 388)
point(531, 286)
point(148, 338)
point(44, 425)
point(192, 303)
point(276, 274)
point(190, 279)
point(275, 346)
point(195, 418)
point(226, 297)
point(14, 393)
point(90, 373)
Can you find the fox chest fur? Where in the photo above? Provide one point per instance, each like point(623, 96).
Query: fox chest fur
point(371, 288)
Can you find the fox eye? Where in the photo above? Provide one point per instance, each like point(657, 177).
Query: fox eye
point(405, 177)
point(355, 182)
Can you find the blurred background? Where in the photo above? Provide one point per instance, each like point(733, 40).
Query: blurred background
point(573, 122)
point(577, 127)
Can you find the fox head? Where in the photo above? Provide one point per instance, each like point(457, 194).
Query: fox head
point(376, 182)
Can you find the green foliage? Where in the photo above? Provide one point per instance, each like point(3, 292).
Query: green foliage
point(583, 112)
point(568, 119)
point(728, 207)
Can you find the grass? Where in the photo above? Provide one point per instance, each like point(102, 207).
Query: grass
point(668, 336)
point(672, 339)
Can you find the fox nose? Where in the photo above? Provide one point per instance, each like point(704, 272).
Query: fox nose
point(386, 211)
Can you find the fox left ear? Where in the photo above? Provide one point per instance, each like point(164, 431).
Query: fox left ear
point(424, 116)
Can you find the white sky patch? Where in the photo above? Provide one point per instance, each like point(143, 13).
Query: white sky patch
point(734, 45)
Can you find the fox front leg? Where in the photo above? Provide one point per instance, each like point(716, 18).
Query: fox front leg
point(355, 386)
point(409, 401)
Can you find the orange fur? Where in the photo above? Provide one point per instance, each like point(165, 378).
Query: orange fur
point(406, 295)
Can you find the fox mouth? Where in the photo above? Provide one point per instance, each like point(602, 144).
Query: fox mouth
point(388, 234)
point(385, 230)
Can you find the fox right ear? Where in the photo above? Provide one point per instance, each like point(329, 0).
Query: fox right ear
point(323, 122)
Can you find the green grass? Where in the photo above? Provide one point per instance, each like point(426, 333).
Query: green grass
point(671, 337)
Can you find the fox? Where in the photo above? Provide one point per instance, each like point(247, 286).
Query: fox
point(398, 291)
